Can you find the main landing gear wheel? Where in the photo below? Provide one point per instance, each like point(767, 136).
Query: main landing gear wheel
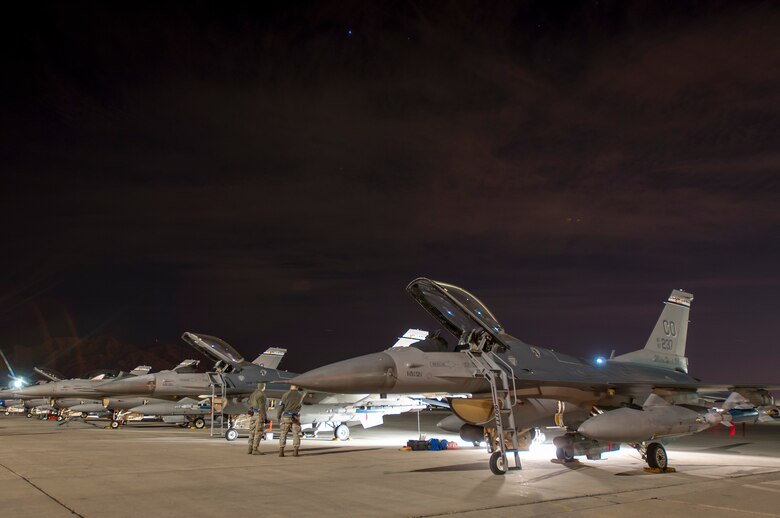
point(60, 418)
point(29, 415)
point(114, 424)
point(199, 423)
point(231, 434)
point(498, 463)
point(656, 456)
point(341, 432)
point(564, 454)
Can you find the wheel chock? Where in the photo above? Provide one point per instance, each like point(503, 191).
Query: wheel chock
point(667, 469)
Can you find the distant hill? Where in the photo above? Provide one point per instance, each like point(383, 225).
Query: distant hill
point(73, 357)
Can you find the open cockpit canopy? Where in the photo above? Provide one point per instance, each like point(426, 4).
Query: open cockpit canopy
point(455, 308)
point(51, 374)
point(215, 347)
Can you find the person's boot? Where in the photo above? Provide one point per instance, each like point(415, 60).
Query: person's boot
point(250, 450)
point(295, 452)
point(257, 452)
point(281, 452)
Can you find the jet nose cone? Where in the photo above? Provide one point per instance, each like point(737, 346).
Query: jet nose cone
point(142, 385)
point(365, 374)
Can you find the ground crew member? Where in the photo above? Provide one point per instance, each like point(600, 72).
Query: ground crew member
point(258, 418)
point(289, 415)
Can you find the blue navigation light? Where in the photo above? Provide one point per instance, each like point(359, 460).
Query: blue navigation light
point(600, 360)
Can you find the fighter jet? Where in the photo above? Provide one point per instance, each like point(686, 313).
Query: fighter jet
point(78, 387)
point(232, 372)
point(643, 397)
point(234, 378)
point(77, 395)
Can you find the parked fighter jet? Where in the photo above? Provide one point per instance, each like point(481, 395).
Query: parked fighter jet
point(77, 395)
point(514, 385)
point(232, 371)
point(234, 378)
point(78, 387)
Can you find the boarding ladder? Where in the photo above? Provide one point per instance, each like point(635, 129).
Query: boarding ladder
point(218, 391)
point(501, 378)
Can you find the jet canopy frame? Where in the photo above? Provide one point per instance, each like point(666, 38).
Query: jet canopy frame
point(463, 314)
point(52, 374)
point(214, 347)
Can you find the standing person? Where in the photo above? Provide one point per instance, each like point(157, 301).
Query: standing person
point(289, 415)
point(257, 411)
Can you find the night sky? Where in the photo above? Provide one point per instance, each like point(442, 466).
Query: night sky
point(276, 173)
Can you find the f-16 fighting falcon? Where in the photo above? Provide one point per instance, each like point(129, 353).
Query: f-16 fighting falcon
point(59, 394)
point(642, 398)
point(233, 378)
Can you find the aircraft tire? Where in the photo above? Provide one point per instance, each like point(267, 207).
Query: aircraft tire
point(199, 423)
point(114, 424)
point(29, 415)
point(231, 434)
point(656, 456)
point(341, 432)
point(498, 463)
point(60, 418)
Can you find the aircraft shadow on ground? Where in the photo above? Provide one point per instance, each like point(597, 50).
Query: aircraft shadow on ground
point(78, 420)
point(311, 452)
point(472, 466)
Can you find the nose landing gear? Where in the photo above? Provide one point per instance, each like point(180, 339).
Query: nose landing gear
point(655, 456)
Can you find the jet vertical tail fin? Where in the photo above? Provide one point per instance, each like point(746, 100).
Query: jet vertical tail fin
point(411, 336)
point(186, 366)
point(666, 346)
point(271, 358)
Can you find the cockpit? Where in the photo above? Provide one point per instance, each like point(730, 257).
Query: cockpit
point(226, 356)
point(461, 313)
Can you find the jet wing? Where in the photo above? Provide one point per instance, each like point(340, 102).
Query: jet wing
point(214, 347)
point(709, 388)
point(455, 308)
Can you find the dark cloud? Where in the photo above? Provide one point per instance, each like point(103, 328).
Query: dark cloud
point(261, 174)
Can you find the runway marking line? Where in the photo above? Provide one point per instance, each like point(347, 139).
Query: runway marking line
point(763, 488)
point(720, 508)
point(42, 491)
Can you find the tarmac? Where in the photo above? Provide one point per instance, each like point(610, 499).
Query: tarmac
point(85, 469)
